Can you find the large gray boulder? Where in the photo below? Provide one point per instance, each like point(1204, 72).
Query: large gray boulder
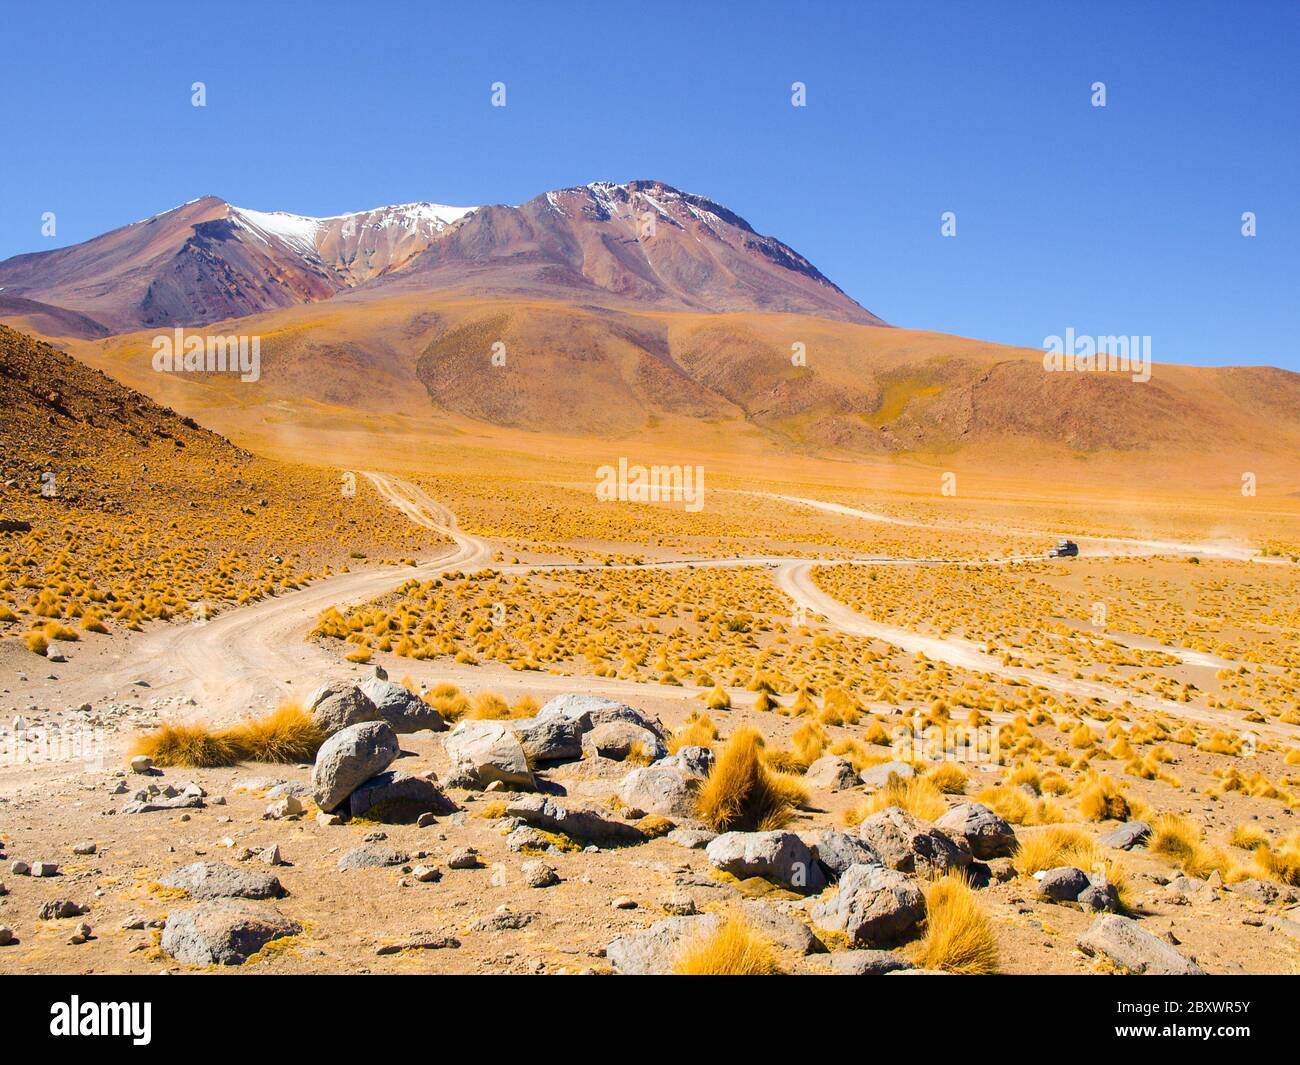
point(654, 951)
point(874, 906)
point(659, 789)
point(912, 846)
point(216, 880)
point(780, 928)
point(394, 795)
point(588, 711)
point(339, 704)
point(781, 857)
point(877, 776)
point(838, 850)
point(348, 759)
point(987, 835)
point(1063, 884)
point(555, 739)
point(1126, 836)
point(831, 773)
point(404, 710)
point(1133, 948)
point(618, 740)
point(576, 820)
point(224, 932)
point(487, 751)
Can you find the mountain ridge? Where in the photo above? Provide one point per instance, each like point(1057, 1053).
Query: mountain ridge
point(641, 243)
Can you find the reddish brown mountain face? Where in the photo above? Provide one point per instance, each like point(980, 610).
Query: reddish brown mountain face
point(642, 244)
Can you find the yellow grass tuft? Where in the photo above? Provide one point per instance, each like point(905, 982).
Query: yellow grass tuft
point(717, 699)
point(1248, 837)
point(287, 734)
point(742, 794)
point(958, 936)
point(733, 950)
point(488, 706)
point(186, 745)
point(949, 778)
point(1180, 840)
point(919, 796)
point(1053, 847)
point(698, 731)
point(1101, 799)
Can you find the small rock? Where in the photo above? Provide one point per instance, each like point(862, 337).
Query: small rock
point(371, 857)
point(463, 858)
point(867, 962)
point(60, 909)
point(537, 874)
point(1126, 836)
point(1063, 884)
point(142, 763)
point(679, 905)
point(289, 806)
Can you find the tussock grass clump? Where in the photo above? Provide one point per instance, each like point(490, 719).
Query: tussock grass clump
point(1180, 840)
point(1248, 837)
point(733, 950)
point(919, 796)
point(194, 746)
point(742, 794)
point(949, 778)
point(488, 706)
point(1281, 863)
point(717, 699)
point(448, 700)
point(698, 731)
point(36, 641)
point(1054, 847)
point(287, 734)
point(1101, 799)
point(958, 936)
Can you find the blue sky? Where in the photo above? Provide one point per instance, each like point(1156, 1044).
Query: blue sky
point(1115, 220)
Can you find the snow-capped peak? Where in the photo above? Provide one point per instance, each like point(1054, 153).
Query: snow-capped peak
point(303, 233)
point(297, 231)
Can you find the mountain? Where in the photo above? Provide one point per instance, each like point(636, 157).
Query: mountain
point(207, 260)
point(643, 244)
